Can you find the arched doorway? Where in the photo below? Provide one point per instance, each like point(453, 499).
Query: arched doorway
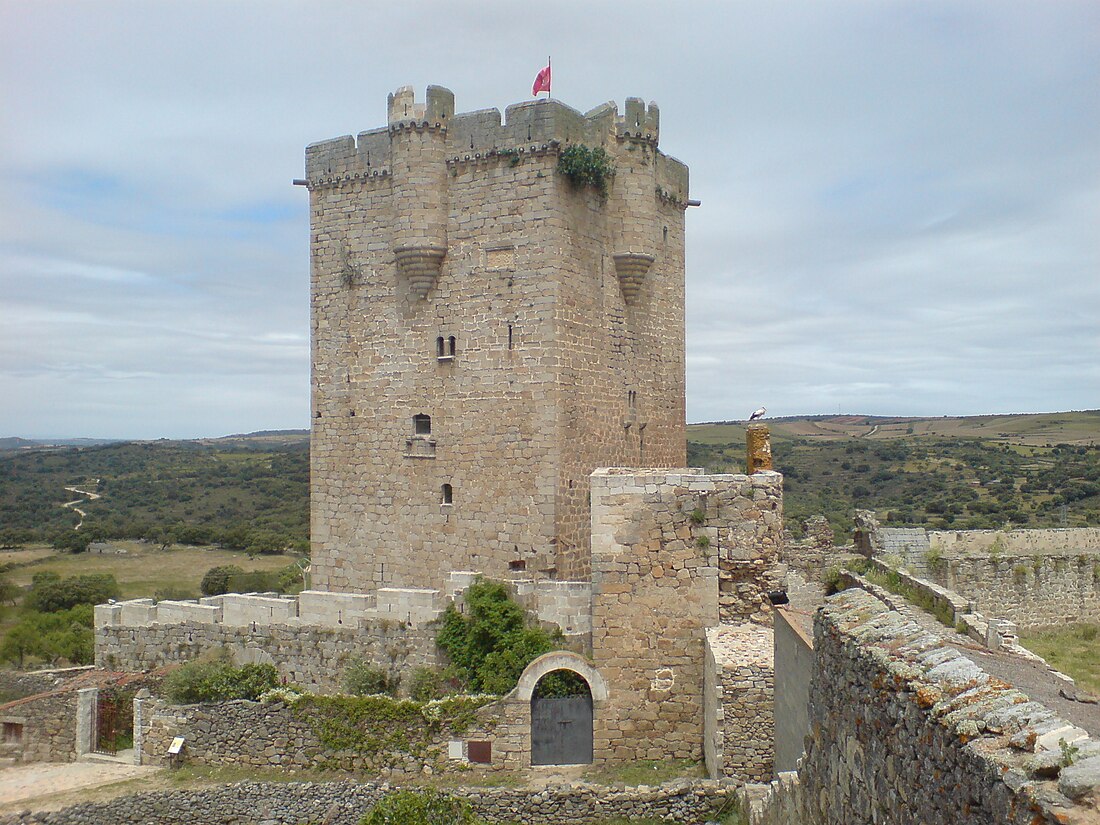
point(561, 720)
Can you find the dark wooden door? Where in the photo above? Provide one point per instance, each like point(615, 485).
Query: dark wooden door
point(561, 730)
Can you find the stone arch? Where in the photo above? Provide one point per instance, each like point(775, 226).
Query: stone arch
point(560, 660)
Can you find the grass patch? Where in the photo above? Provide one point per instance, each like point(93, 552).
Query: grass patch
point(893, 582)
point(144, 569)
point(646, 772)
point(1074, 650)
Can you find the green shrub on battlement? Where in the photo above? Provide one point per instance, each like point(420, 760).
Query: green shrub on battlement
point(491, 643)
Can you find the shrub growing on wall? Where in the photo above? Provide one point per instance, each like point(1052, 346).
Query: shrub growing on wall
point(424, 807)
point(362, 679)
point(217, 680)
point(491, 644)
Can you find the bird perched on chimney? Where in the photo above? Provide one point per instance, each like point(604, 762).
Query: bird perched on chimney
point(758, 414)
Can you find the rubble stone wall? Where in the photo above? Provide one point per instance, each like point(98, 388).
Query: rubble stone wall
point(904, 729)
point(345, 803)
point(278, 735)
point(46, 726)
point(745, 690)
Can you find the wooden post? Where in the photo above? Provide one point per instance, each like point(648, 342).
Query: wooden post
point(759, 446)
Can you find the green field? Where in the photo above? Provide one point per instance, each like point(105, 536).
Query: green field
point(1074, 650)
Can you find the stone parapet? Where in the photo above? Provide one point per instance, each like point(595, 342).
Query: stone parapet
point(897, 715)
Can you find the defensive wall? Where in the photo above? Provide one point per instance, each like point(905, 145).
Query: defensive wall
point(485, 334)
point(904, 729)
point(312, 637)
point(1032, 578)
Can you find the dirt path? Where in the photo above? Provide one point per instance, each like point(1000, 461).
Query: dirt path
point(48, 786)
point(88, 496)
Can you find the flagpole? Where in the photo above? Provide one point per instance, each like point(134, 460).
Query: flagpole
point(550, 80)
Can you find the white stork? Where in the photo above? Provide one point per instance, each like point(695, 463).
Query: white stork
point(758, 414)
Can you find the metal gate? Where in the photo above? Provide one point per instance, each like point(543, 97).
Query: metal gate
point(561, 730)
point(106, 723)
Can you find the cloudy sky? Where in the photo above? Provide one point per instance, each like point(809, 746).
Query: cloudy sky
point(901, 200)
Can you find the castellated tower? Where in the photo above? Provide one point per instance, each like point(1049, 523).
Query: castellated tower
point(485, 335)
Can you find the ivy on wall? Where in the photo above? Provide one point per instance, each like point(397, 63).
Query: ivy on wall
point(373, 726)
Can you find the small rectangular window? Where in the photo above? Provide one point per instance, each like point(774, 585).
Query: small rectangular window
point(422, 424)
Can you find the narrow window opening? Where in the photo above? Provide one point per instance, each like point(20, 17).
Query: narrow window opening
point(422, 424)
point(439, 351)
point(447, 494)
point(13, 733)
point(451, 346)
point(509, 336)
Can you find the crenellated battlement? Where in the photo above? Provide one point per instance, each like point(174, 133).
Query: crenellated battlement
point(534, 127)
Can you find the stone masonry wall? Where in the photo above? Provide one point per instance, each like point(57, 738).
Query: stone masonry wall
point(654, 591)
point(1034, 591)
point(345, 803)
point(658, 540)
point(745, 673)
point(1034, 578)
point(277, 735)
point(446, 226)
point(313, 657)
point(48, 725)
point(904, 729)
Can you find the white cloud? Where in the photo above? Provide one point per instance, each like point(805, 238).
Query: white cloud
point(899, 200)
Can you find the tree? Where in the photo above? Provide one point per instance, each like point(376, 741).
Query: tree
point(49, 594)
point(216, 580)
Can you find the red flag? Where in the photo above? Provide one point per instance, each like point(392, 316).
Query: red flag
point(542, 81)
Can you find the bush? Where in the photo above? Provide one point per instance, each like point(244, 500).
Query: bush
point(361, 679)
point(429, 683)
point(216, 580)
point(584, 166)
point(216, 680)
point(421, 807)
point(491, 644)
point(49, 593)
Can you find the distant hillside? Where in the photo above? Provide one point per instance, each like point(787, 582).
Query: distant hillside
point(240, 492)
point(244, 489)
point(1032, 429)
point(1040, 470)
point(15, 443)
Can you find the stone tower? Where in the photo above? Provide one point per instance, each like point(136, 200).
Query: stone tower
point(485, 334)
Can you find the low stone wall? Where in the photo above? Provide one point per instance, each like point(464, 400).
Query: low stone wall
point(302, 736)
point(904, 729)
point(16, 684)
point(310, 656)
point(1033, 578)
point(41, 728)
point(745, 689)
point(344, 803)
